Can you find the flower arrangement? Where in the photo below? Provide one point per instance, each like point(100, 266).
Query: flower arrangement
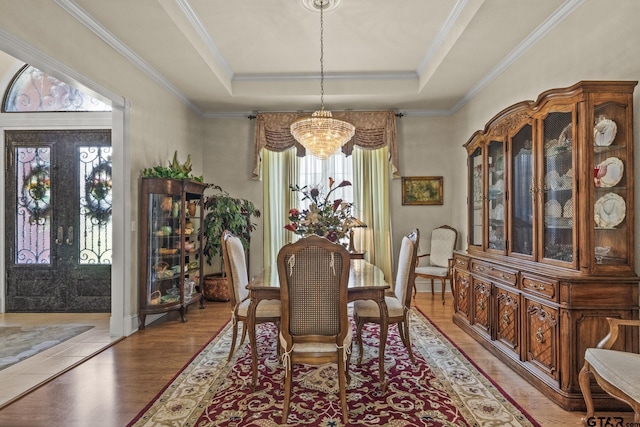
point(324, 217)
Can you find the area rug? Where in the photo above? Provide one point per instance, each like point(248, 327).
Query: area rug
point(443, 388)
point(19, 343)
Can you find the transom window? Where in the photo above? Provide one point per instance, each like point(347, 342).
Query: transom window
point(35, 91)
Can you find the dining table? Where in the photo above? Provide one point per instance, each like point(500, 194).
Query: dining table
point(366, 282)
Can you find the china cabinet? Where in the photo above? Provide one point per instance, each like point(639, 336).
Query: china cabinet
point(171, 238)
point(551, 234)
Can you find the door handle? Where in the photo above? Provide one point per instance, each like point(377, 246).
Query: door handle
point(59, 235)
point(69, 236)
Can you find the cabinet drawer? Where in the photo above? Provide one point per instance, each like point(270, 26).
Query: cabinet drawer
point(460, 262)
point(490, 270)
point(541, 287)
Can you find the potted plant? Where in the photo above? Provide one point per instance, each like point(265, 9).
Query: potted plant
point(223, 212)
point(174, 170)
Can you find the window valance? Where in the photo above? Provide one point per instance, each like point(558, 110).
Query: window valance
point(374, 129)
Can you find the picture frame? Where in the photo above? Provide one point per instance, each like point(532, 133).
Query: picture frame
point(422, 190)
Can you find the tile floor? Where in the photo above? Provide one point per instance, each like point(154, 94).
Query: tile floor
point(18, 379)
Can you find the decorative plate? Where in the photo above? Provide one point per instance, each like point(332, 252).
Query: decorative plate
point(552, 180)
point(565, 136)
point(608, 173)
point(610, 210)
point(553, 209)
point(604, 132)
point(567, 211)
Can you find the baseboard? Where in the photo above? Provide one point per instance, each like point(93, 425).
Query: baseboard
point(423, 285)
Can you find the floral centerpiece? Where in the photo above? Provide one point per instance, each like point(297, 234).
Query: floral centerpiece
point(324, 217)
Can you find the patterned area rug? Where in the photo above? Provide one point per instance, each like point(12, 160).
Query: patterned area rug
point(443, 388)
point(19, 343)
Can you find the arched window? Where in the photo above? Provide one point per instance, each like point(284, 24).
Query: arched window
point(32, 90)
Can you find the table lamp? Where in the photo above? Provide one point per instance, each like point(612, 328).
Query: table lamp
point(352, 223)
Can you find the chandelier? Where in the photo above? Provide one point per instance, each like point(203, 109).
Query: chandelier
point(321, 133)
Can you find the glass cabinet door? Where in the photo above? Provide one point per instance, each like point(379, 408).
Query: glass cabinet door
point(164, 266)
point(558, 201)
point(522, 192)
point(477, 198)
point(611, 185)
point(496, 210)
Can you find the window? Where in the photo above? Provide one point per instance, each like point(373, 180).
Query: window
point(315, 172)
point(32, 90)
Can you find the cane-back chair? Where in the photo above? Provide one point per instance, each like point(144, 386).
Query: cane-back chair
point(315, 327)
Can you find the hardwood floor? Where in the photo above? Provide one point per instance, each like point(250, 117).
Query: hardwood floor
point(111, 388)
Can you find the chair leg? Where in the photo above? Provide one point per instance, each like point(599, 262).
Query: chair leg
point(432, 288)
point(403, 329)
point(233, 340)
point(583, 380)
point(287, 393)
point(360, 324)
point(244, 332)
point(444, 287)
point(342, 373)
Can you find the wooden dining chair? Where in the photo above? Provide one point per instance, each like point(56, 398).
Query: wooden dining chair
point(235, 265)
point(315, 327)
point(440, 258)
point(398, 305)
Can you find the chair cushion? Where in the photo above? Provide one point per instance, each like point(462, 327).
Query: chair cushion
point(369, 308)
point(622, 369)
point(432, 271)
point(266, 308)
point(318, 347)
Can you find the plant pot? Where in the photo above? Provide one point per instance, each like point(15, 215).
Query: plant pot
point(215, 288)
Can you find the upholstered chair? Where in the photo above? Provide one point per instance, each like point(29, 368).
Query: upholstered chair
point(440, 258)
point(616, 372)
point(315, 327)
point(398, 305)
point(235, 265)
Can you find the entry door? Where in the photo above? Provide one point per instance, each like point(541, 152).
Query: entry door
point(58, 221)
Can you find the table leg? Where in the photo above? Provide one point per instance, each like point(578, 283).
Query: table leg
point(251, 325)
point(384, 328)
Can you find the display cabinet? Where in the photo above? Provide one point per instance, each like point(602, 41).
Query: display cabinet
point(551, 234)
point(171, 236)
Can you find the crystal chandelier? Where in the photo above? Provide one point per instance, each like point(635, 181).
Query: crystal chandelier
point(321, 133)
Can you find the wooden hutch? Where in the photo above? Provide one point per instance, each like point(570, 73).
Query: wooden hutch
point(551, 234)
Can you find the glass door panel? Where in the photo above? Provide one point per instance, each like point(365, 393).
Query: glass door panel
point(522, 192)
point(496, 208)
point(610, 185)
point(558, 188)
point(477, 198)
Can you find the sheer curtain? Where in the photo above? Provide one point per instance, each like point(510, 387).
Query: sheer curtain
point(369, 193)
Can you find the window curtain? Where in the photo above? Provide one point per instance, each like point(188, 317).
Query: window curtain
point(374, 129)
point(371, 200)
point(279, 169)
point(374, 160)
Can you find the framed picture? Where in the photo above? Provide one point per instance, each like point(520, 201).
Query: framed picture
point(421, 190)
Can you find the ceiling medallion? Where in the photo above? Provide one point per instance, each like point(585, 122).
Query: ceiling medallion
point(316, 5)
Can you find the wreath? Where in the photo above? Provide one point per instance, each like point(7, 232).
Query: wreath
point(98, 187)
point(36, 192)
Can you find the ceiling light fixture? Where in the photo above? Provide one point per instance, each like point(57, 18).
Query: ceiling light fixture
point(321, 133)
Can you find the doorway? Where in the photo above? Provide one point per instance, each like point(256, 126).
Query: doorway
point(58, 213)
